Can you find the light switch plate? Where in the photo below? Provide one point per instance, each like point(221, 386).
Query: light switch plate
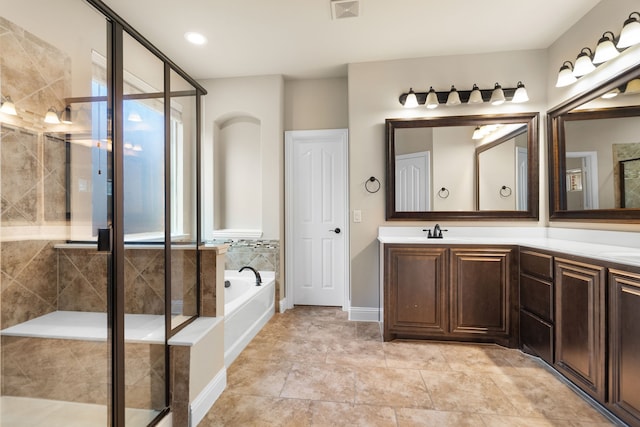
point(357, 216)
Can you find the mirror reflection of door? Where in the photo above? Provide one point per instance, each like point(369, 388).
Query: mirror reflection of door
point(413, 190)
point(522, 154)
point(582, 180)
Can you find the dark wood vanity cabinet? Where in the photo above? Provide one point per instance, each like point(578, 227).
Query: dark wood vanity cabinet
point(450, 293)
point(482, 295)
point(580, 324)
point(415, 300)
point(624, 345)
point(536, 303)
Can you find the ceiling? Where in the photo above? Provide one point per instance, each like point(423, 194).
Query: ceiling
point(299, 38)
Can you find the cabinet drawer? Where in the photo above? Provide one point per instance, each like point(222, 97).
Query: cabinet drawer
point(536, 335)
point(536, 296)
point(536, 264)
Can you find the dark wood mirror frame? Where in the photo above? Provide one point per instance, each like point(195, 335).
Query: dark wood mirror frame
point(530, 119)
point(556, 119)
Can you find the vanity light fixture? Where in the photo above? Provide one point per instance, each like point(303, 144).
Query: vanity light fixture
point(412, 100)
point(633, 87)
point(454, 97)
point(605, 50)
point(8, 107)
point(630, 33)
point(432, 99)
point(55, 118)
point(497, 96)
point(584, 64)
point(565, 75)
point(476, 96)
point(521, 94)
point(611, 94)
point(587, 60)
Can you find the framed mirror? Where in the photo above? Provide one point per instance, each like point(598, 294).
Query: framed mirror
point(462, 167)
point(594, 152)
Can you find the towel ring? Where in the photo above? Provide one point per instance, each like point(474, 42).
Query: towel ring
point(443, 193)
point(505, 191)
point(375, 188)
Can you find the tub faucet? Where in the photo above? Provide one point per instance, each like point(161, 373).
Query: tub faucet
point(258, 278)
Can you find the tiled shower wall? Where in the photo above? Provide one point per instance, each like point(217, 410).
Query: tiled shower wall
point(32, 173)
point(41, 279)
point(259, 254)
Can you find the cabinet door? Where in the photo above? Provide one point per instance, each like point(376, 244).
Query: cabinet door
point(415, 291)
point(579, 324)
point(481, 292)
point(624, 347)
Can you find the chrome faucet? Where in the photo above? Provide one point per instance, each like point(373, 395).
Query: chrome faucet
point(437, 232)
point(258, 278)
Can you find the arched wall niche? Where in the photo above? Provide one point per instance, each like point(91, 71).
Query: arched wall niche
point(237, 176)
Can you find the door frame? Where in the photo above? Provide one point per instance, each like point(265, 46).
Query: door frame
point(289, 141)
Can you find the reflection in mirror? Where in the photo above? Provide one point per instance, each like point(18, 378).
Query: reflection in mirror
point(502, 171)
point(595, 147)
point(441, 168)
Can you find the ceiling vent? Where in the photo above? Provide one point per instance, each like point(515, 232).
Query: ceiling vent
point(345, 9)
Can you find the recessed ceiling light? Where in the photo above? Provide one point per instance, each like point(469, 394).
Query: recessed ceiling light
point(195, 38)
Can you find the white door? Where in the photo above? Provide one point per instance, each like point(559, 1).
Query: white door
point(412, 182)
point(317, 217)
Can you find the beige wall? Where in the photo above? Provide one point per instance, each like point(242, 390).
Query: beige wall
point(316, 104)
point(261, 98)
point(373, 97)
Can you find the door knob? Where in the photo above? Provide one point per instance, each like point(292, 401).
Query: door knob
point(336, 230)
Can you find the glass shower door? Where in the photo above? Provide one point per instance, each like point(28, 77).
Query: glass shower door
point(144, 201)
point(56, 167)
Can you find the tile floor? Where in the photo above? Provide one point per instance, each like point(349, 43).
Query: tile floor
point(312, 367)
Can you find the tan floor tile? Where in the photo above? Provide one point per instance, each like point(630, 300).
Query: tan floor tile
point(320, 382)
point(261, 348)
point(356, 353)
point(265, 378)
point(301, 350)
point(415, 355)
point(546, 396)
point(462, 392)
point(333, 414)
point(368, 331)
point(329, 331)
point(391, 387)
point(232, 410)
point(310, 366)
point(415, 417)
point(502, 421)
point(478, 358)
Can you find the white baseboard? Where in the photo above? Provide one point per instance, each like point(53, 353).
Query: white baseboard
point(207, 397)
point(283, 305)
point(364, 314)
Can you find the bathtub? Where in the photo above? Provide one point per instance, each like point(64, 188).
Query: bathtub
point(247, 308)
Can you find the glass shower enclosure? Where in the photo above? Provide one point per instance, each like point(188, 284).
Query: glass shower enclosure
point(99, 219)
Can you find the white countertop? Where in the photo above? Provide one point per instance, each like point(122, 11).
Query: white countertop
point(615, 246)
